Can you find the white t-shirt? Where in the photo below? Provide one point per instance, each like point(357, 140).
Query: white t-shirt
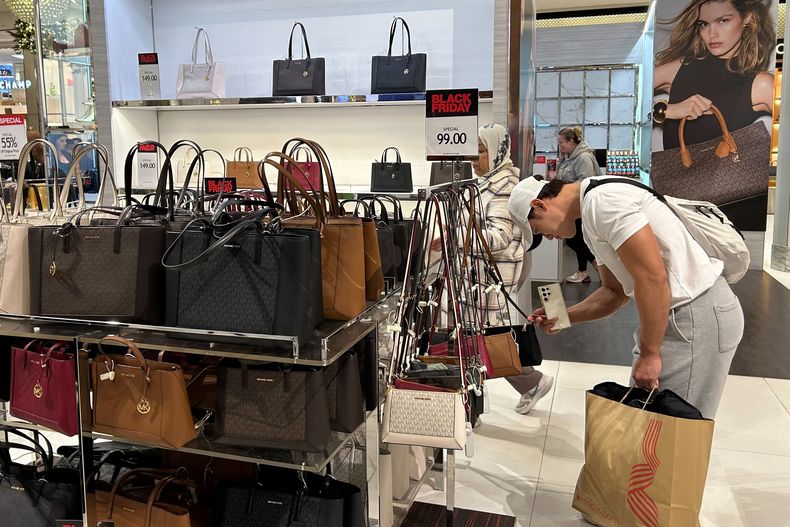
point(612, 213)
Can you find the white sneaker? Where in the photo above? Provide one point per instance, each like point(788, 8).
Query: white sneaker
point(531, 398)
point(579, 277)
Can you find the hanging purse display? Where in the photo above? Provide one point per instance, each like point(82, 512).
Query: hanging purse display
point(300, 76)
point(721, 171)
point(42, 386)
point(272, 408)
point(201, 80)
point(140, 399)
point(386, 176)
point(243, 170)
point(398, 74)
point(442, 172)
point(272, 272)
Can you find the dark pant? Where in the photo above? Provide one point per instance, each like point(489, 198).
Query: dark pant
point(577, 245)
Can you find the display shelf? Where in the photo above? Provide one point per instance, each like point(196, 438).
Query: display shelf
point(305, 101)
point(307, 461)
point(25, 425)
point(330, 341)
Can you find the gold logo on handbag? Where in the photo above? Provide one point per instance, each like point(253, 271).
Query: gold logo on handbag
point(38, 391)
point(144, 406)
point(53, 268)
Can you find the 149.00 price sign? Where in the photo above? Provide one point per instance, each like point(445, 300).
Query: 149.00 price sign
point(451, 124)
point(12, 136)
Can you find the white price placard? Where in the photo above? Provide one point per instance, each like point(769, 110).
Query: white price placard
point(148, 67)
point(13, 136)
point(147, 167)
point(451, 124)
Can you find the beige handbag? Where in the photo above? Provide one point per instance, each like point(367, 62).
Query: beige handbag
point(424, 418)
point(15, 277)
point(244, 170)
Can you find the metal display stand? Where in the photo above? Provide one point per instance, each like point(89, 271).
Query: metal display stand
point(329, 343)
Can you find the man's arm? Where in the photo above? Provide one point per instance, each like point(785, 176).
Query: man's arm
point(601, 303)
point(642, 258)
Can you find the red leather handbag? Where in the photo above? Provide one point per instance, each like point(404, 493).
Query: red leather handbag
point(310, 175)
point(43, 386)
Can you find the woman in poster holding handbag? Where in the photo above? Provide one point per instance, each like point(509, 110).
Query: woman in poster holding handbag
point(719, 53)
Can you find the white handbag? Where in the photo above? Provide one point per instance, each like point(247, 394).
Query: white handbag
point(424, 418)
point(206, 80)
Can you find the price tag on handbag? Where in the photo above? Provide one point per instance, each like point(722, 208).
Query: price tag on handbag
point(451, 124)
point(147, 167)
point(12, 136)
point(148, 67)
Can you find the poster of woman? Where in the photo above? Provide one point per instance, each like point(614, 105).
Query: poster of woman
point(713, 90)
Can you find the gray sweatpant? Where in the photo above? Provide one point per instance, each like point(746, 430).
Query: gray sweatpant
point(699, 344)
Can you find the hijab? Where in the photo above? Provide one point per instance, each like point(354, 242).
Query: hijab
point(497, 142)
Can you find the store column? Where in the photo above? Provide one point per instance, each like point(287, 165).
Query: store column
point(780, 251)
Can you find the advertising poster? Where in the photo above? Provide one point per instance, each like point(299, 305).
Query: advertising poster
point(713, 92)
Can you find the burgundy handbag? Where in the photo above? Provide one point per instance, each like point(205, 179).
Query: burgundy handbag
point(43, 386)
point(310, 174)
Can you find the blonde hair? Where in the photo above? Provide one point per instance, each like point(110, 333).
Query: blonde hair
point(757, 42)
point(574, 134)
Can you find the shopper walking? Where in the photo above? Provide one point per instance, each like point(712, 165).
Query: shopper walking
point(688, 315)
point(499, 176)
point(577, 162)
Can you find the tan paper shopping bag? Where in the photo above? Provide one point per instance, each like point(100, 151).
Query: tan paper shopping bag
point(642, 468)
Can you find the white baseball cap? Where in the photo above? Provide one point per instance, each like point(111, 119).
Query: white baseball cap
point(521, 204)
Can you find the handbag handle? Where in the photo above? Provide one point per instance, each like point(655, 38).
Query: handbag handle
point(166, 175)
point(157, 493)
point(358, 203)
point(24, 156)
point(167, 171)
point(130, 346)
point(397, 209)
point(209, 57)
point(726, 147)
point(393, 28)
point(295, 153)
point(35, 447)
point(242, 150)
point(79, 151)
point(150, 472)
point(291, 42)
point(397, 154)
point(383, 215)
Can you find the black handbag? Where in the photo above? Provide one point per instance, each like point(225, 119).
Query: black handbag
point(387, 176)
point(344, 394)
point(243, 277)
point(272, 408)
point(390, 257)
point(402, 229)
point(38, 495)
point(400, 73)
point(301, 76)
point(442, 172)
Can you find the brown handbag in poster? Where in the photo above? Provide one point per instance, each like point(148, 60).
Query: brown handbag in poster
point(140, 399)
point(721, 171)
point(243, 170)
point(342, 242)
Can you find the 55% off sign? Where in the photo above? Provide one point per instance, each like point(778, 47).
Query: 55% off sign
point(12, 136)
point(451, 124)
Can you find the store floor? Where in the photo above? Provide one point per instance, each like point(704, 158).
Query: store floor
point(526, 466)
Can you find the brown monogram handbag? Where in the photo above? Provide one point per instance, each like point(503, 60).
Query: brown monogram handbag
point(140, 399)
point(721, 171)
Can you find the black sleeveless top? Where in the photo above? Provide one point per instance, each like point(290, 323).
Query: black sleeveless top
point(730, 92)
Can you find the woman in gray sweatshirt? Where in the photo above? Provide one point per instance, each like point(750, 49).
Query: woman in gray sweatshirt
point(578, 163)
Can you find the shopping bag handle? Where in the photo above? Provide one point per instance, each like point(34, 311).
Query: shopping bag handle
point(647, 401)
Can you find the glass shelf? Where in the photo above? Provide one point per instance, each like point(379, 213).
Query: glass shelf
point(296, 460)
point(24, 425)
point(243, 103)
point(330, 340)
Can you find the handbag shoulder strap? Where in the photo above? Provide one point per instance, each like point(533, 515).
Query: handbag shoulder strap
point(291, 41)
point(393, 28)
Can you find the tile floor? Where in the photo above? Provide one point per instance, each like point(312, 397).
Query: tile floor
point(526, 466)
